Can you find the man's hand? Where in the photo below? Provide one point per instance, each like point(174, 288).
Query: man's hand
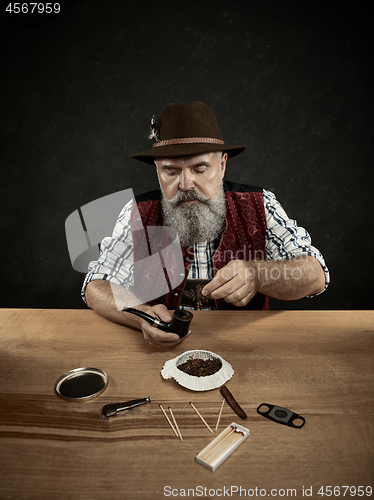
point(236, 283)
point(289, 279)
point(100, 297)
point(157, 337)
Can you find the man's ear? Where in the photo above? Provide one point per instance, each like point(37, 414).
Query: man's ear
point(223, 164)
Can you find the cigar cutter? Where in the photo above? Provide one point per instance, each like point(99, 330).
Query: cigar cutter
point(281, 415)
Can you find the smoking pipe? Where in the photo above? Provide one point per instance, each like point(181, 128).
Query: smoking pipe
point(179, 324)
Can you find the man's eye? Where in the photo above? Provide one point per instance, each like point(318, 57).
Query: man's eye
point(172, 172)
point(199, 171)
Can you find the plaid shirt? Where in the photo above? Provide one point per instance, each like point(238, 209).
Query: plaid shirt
point(284, 240)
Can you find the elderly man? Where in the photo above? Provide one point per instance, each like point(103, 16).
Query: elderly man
point(237, 240)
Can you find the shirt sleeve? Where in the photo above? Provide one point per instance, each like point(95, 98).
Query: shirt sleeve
point(285, 239)
point(116, 261)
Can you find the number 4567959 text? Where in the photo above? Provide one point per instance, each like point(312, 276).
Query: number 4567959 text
point(33, 8)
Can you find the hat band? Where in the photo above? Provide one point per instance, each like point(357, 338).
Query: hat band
point(188, 140)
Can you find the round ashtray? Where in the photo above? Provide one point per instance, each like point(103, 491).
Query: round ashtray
point(81, 384)
point(195, 383)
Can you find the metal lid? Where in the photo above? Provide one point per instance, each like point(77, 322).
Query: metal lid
point(81, 384)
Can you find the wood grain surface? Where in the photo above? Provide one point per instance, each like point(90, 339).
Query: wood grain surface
point(318, 364)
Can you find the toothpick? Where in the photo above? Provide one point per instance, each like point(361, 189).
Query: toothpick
point(193, 406)
point(167, 418)
point(219, 415)
point(176, 425)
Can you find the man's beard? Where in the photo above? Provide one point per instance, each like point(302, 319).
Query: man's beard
point(195, 222)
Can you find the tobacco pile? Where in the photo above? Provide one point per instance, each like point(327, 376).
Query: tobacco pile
point(201, 367)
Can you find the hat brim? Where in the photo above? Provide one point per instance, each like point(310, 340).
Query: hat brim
point(186, 150)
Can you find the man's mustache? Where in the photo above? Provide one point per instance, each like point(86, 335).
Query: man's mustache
point(190, 195)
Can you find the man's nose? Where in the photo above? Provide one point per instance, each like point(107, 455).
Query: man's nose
point(186, 182)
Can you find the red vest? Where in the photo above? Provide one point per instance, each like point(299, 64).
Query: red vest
point(243, 239)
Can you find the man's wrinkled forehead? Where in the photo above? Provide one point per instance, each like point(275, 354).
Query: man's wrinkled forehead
point(193, 160)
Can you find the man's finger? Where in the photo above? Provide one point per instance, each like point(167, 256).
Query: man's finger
point(221, 278)
point(160, 335)
point(162, 312)
point(158, 340)
point(227, 288)
point(240, 298)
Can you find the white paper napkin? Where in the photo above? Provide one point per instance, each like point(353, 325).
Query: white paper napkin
point(171, 370)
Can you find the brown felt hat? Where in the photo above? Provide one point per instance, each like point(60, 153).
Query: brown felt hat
point(183, 130)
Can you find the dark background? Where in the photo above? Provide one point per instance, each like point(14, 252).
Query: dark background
point(292, 81)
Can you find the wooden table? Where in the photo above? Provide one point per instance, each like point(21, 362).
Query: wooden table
point(318, 364)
